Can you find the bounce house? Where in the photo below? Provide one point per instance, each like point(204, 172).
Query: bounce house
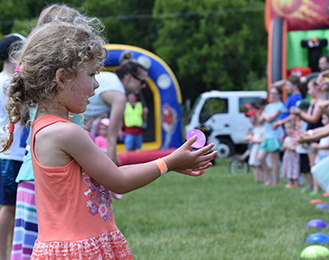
point(297, 36)
point(163, 99)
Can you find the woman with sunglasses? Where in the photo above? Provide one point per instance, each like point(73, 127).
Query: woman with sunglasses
point(130, 76)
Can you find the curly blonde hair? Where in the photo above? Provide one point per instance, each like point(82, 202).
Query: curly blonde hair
point(48, 48)
point(57, 12)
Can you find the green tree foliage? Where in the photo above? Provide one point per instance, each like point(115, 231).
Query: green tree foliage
point(214, 49)
point(208, 44)
point(124, 21)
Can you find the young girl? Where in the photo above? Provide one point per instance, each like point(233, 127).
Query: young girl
point(272, 143)
point(302, 149)
point(313, 118)
point(290, 161)
point(133, 122)
point(294, 95)
point(56, 71)
point(255, 139)
point(26, 222)
point(322, 147)
point(102, 127)
point(9, 163)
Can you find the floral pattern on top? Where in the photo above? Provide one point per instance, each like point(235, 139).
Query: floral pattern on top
point(100, 201)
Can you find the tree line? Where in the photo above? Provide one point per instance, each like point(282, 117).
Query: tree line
point(209, 44)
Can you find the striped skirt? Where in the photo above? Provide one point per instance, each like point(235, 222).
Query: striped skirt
point(26, 222)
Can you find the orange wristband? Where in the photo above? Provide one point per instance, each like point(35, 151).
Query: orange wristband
point(162, 166)
point(279, 122)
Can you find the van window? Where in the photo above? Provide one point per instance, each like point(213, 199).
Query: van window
point(244, 101)
point(213, 106)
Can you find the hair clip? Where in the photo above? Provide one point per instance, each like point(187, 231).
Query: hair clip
point(17, 69)
point(11, 128)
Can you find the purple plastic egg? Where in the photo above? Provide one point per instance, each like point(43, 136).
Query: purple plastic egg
point(200, 142)
point(322, 206)
point(317, 223)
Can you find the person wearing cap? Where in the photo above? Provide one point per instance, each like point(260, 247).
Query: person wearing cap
point(102, 127)
point(9, 162)
point(255, 139)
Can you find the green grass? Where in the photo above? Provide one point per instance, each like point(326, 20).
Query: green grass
point(216, 216)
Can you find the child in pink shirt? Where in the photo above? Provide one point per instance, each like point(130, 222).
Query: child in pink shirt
point(56, 72)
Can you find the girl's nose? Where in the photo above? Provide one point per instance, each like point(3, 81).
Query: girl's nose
point(96, 84)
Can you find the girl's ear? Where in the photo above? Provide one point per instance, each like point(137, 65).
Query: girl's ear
point(60, 77)
point(128, 76)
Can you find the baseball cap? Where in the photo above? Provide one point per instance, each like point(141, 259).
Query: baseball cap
point(251, 112)
point(7, 43)
point(303, 104)
point(251, 105)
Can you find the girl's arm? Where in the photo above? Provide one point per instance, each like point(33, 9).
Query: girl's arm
point(75, 143)
point(313, 135)
point(323, 80)
point(319, 146)
point(283, 121)
point(284, 145)
point(289, 144)
point(253, 140)
point(324, 104)
point(324, 147)
point(117, 101)
point(271, 117)
point(258, 140)
point(247, 137)
point(314, 118)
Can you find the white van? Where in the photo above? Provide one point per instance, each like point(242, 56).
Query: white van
point(223, 113)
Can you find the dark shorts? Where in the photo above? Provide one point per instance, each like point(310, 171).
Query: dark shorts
point(304, 164)
point(8, 186)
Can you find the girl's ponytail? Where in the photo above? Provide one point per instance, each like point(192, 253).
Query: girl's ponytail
point(14, 104)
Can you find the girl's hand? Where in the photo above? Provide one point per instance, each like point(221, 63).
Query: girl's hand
point(295, 111)
point(323, 80)
point(300, 139)
point(323, 104)
point(274, 125)
point(191, 162)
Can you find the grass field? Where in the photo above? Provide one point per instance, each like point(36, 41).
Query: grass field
point(216, 216)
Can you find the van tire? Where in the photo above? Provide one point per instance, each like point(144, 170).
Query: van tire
point(225, 148)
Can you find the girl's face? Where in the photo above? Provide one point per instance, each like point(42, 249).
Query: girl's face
point(81, 88)
point(253, 119)
point(290, 87)
point(103, 130)
point(289, 130)
point(275, 94)
point(312, 90)
point(131, 97)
